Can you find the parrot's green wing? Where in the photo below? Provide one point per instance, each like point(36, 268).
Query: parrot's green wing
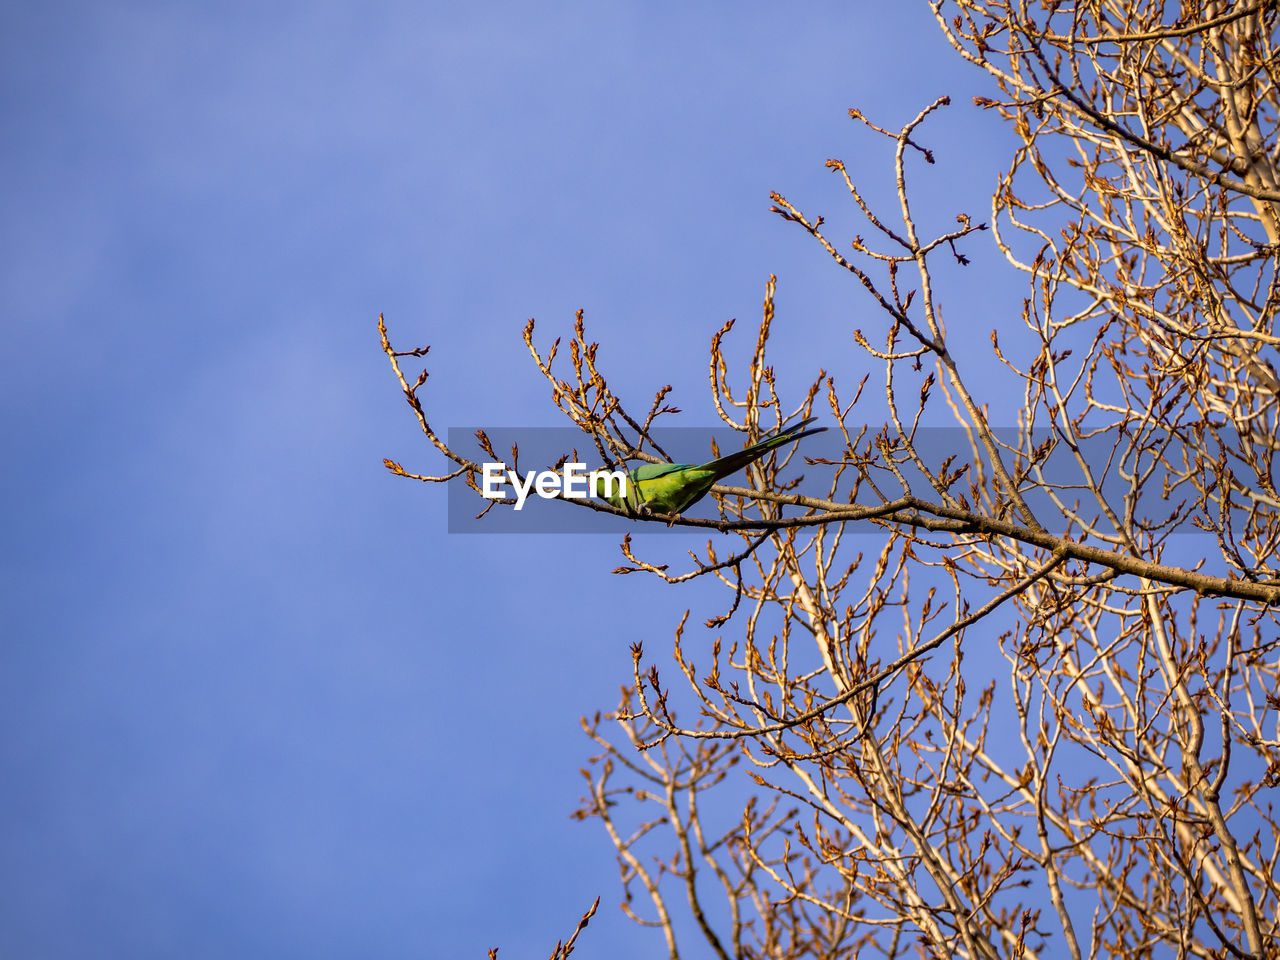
point(672, 488)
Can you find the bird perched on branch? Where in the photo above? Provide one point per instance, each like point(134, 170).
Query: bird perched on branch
point(672, 488)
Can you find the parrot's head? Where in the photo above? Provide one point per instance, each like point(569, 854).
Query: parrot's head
point(610, 486)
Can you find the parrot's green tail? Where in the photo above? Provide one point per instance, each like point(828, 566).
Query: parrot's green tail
point(736, 461)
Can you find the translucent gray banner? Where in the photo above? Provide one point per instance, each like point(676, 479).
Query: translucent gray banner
point(543, 451)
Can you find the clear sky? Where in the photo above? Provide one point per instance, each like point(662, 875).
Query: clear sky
point(255, 700)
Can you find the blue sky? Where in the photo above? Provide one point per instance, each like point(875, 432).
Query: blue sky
point(256, 701)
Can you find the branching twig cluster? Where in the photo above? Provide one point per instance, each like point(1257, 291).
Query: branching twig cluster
point(1037, 714)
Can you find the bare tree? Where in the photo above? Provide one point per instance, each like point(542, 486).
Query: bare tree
point(1039, 717)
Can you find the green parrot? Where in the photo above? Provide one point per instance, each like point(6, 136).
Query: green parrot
point(672, 488)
